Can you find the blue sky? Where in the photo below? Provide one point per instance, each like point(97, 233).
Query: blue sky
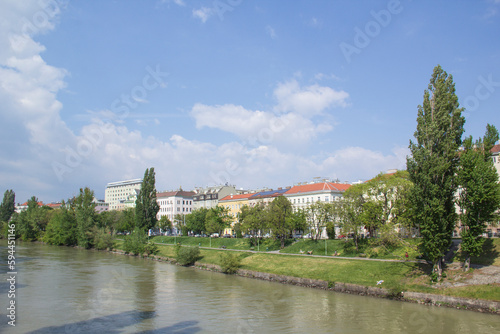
point(253, 93)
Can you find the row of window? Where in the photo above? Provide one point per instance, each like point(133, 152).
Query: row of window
point(167, 202)
point(170, 209)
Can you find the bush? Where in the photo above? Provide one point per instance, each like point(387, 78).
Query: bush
point(187, 256)
point(103, 239)
point(151, 248)
point(229, 263)
point(134, 243)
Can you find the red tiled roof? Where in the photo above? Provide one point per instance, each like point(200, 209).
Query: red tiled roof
point(315, 187)
point(495, 149)
point(54, 205)
point(235, 197)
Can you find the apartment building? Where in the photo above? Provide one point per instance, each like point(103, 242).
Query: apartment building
point(172, 203)
point(117, 193)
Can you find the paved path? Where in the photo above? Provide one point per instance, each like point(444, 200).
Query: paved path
point(277, 252)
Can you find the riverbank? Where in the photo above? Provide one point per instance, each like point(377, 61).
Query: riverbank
point(396, 280)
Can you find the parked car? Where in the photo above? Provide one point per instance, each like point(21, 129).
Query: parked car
point(215, 235)
point(227, 236)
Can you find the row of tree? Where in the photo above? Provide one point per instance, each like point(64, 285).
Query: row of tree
point(76, 222)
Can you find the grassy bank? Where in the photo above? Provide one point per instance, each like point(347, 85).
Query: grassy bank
point(397, 276)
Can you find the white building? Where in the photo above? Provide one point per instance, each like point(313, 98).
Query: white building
point(117, 193)
point(172, 203)
point(304, 194)
point(209, 197)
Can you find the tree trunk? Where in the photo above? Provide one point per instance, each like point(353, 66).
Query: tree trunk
point(467, 262)
point(438, 268)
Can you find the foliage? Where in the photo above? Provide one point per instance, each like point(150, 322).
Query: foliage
point(187, 256)
point(318, 215)
point(85, 217)
point(8, 206)
point(103, 239)
point(195, 221)
point(150, 248)
point(351, 213)
point(279, 213)
point(479, 194)
point(229, 262)
point(433, 164)
point(164, 224)
point(62, 228)
point(125, 220)
point(216, 220)
point(330, 230)
point(146, 206)
point(254, 219)
point(134, 243)
point(32, 222)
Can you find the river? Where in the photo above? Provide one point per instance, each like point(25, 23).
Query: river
point(68, 290)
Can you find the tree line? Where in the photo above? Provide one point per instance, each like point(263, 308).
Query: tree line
point(444, 172)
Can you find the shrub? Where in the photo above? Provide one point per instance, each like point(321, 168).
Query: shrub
point(229, 263)
point(151, 248)
point(134, 243)
point(103, 239)
point(187, 255)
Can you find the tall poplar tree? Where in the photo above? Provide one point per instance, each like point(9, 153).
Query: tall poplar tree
point(146, 207)
point(8, 206)
point(479, 194)
point(85, 217)
point(433, 165)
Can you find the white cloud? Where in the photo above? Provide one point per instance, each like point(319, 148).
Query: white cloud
point(311, 100)
point(271, 32)
point(267, 154)
point(286, 131)
point(204, 13)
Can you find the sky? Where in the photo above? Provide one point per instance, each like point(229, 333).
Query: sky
point(250, 93)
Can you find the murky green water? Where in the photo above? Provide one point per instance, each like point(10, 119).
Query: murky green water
point(66, 290)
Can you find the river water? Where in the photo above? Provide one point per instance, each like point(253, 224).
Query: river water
point(67, 290)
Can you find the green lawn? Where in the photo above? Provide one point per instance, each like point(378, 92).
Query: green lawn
point(490, 256)
point(397, 276)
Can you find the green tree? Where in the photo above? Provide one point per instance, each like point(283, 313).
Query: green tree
point(253, 219)
point(126, 220)
point(479, 193)
point(350, 212)
point(318, 215)
point(33, 221)
point(217, 219)
point(146, 206)
point(164, 223)
point(8, 206)
point(85, 217)
point(195, 221)
point(279, 212)
point(433, 165)
point(62, 227)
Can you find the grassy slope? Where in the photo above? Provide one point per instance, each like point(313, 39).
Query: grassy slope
point(490, 256)
point(396, 275)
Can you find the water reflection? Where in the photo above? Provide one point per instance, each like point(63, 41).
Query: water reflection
point(66, 290)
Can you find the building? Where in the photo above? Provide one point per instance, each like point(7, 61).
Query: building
point(495, 151)
point(100, 205)
point(209, 197)
point(266, 196)
point(304, 194)
point(174, 203)
point(117, 193)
